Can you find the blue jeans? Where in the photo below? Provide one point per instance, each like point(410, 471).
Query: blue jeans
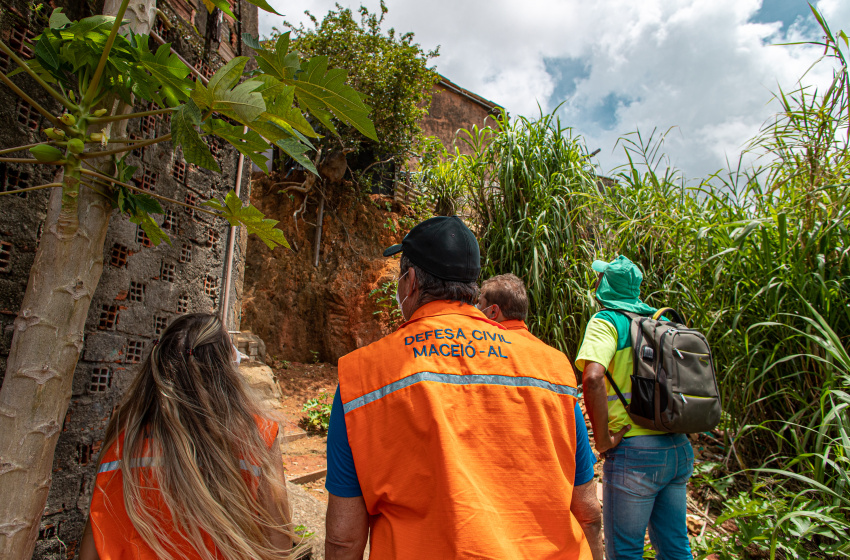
point(645, 483)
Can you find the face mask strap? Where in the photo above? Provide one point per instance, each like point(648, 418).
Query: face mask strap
point(400, 301)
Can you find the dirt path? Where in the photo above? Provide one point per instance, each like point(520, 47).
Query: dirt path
point(299, 383)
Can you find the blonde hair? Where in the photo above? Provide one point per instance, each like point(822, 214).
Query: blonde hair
point(189, 409)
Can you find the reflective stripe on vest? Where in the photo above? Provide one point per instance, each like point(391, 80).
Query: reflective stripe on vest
point(454, 379)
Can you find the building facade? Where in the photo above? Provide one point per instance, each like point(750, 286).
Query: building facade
point(452, 108)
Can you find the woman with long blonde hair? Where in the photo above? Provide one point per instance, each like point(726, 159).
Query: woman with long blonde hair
point(189, 469)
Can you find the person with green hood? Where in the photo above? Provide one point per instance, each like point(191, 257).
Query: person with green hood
point(645, 473)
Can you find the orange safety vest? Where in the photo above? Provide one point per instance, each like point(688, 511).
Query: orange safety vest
point(115, 536)
point(463, 438)
point(516, 325)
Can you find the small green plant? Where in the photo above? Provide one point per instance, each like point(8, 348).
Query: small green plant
point(385, 301)
point(778, 525)
point(315, 354)
point(709, 474)
point(318, 413)
point(390, 225)
point(303, 532)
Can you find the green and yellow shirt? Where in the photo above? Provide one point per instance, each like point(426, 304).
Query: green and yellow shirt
point(607, 340)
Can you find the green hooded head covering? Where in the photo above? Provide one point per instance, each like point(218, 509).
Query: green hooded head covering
point(620, 286)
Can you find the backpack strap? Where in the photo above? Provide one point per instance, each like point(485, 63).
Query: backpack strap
point(676, 316)
point(617, 390)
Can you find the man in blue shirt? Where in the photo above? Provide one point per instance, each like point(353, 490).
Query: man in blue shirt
point(503, 299)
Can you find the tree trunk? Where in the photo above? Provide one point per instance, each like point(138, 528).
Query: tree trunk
point(46, 344)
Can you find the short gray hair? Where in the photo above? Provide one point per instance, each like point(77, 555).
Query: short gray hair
point(432, 288)
point(508, 292)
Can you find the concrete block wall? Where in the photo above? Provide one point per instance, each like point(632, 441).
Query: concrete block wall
point(142, 287)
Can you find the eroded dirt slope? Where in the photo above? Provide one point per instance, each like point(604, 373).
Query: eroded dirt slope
point(299, 309)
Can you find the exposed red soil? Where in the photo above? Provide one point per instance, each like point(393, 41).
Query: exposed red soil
point(299, 310)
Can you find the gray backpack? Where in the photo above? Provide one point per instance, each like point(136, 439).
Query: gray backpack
point(674, 388)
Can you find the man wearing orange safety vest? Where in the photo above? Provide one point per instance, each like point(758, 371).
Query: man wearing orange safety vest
point(452, 437)
point(503, 299)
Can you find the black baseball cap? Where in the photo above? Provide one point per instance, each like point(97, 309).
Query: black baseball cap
point(444, 247)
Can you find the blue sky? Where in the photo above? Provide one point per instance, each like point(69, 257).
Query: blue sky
point(705, 69)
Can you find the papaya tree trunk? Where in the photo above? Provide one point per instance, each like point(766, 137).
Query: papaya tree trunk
point(47, 340)
point(46, 344)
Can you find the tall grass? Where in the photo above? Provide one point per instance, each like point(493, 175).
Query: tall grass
point(758, 258)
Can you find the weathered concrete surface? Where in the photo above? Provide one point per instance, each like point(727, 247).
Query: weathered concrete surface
point(309, 512)
point(250, 345)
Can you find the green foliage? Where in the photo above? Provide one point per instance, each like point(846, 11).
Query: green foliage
point(231, 209)
point(710, 474)
point(528, 183)
point(385, 301)
point(94, 66)
point(184, 134)
point(386, 67)
point(318, 413)
point(767, 522)
point(444, 177)
point(755, 258)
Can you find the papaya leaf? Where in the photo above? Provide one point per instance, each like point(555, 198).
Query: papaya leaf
point(280, 108)
point(228, 75)
point(320, 89)
point(274, 132)
point(147, 203)
point(249, 144)
point(242, 102)
point(288, 140)
point(47, 54)
point(168, 72)
point(297, 151)
point(232, 210)
point(222, 5)
point(279, 63)
point(201, 96)
point(263, 5)
point(251, 41)
point(94, 24)
point(183, 123)
point(151, 228)
point(58, 20)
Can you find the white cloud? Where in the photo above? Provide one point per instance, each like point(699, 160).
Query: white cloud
point(700, 66)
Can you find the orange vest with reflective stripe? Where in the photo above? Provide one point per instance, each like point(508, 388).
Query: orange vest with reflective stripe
point(463, 437)
point(115, 536)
